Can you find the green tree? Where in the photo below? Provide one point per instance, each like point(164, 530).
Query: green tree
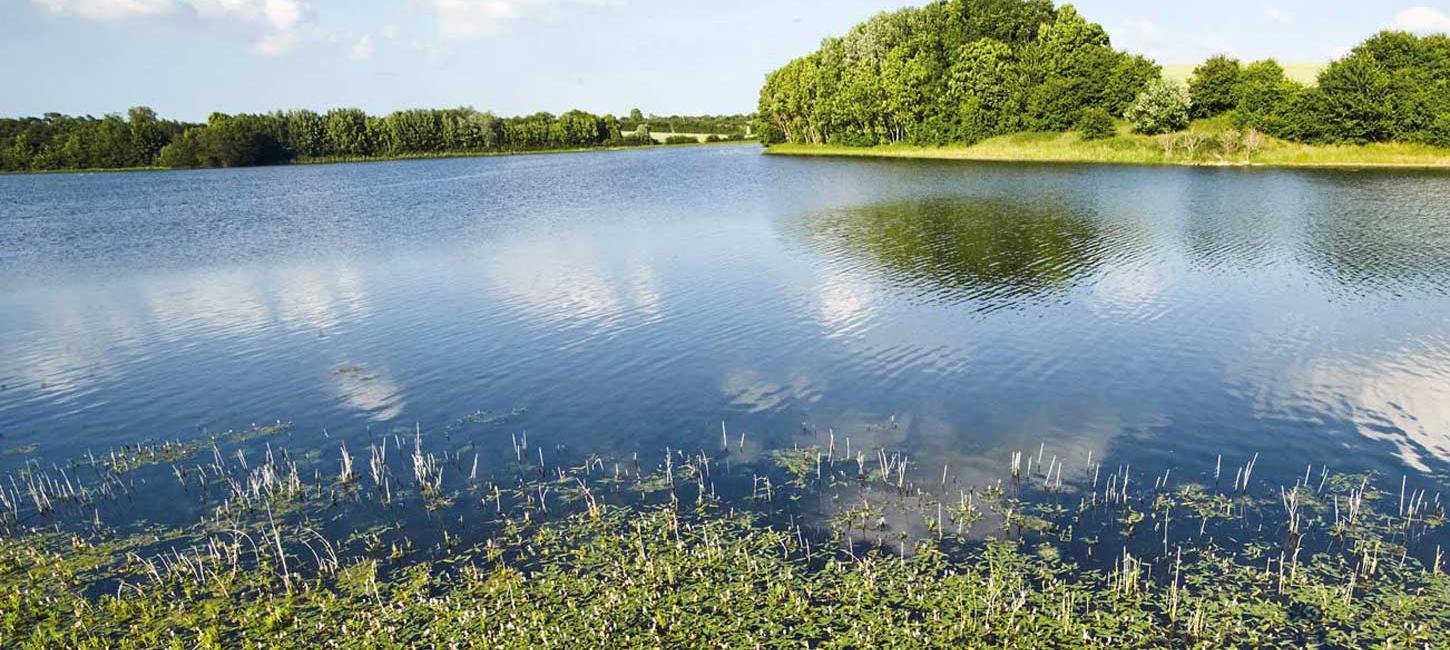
point(1213, 88)
point(345, 133)
point(1264, 97)
point(985, 90)
point(148, 134)
point(1354, 100)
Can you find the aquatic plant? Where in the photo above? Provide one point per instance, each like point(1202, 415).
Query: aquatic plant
point(806, 548)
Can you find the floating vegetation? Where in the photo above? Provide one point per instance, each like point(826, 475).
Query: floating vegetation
point(815, 546)
point(354, 370)
point(22, 450)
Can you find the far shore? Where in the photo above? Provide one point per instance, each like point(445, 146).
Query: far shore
point(335, 160)
point(1133, 149)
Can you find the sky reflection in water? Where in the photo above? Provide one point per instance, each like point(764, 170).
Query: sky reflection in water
point(633, 300)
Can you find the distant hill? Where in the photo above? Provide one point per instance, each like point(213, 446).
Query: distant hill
point(1304, 73)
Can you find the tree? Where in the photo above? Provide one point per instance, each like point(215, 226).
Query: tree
point(1263, 97)
point(345, 132)
point(1070, 64)
point(1008, 21)
point(635, 115)
point(1129, 77)
point(953, 70)
point(141, 138)
point(182, 152)
point(1355, 100)
point(1162, 107)
point(984, 90)
point(1213, 88)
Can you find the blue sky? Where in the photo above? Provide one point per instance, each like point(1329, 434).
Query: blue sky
point(188, 57)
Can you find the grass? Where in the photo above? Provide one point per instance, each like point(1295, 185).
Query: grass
point(1206, 143)
point(601, 553)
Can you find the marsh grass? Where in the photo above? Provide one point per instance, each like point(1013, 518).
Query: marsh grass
point(813, 545)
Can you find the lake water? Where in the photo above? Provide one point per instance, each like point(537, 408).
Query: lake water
point(621, 302)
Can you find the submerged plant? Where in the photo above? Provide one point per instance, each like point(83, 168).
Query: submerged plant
point(601, 553)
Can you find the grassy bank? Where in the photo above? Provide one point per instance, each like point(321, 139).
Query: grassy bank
point(799, 547)
point(1206, 144)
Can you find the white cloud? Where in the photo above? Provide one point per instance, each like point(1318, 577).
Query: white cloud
point(1137, 35)
point(282, 23)
point(468, 18)
point(1277, 15)
point(276, 43)
point(107, 9)
point(362, 50)
point(1422, 20)
point(282, 14)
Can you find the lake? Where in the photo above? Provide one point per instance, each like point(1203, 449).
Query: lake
point(615, 303)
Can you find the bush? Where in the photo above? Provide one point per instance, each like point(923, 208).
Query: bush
point(712, 138)
point(1096, 124)
point(1213, 88)
point(1162, 107)
point(1355, 104)
point(1265, 98)
point(682, 139)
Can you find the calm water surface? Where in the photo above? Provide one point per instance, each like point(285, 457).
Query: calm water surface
point(631, 301)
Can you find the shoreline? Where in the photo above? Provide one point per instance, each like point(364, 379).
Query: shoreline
point(1068, 148)
point(377, 159)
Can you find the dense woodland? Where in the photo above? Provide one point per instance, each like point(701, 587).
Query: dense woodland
point(140, 139)
point(960, 71)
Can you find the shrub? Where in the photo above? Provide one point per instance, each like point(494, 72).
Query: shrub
point(1355, 105)
point(1439, 133)
point(932, 131)
point(1213, 88)
point(1264, 98)
point(1162, 107)
point(1096, 124)
point(682, 139)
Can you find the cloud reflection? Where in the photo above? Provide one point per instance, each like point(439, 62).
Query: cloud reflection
point(570, 279)
point(69, 340)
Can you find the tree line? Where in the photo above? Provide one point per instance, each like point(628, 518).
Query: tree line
point(722, 125)
point(1392, 87)
point(58, 141)
point(951, 71)
point(960, 71)
point(140, 139)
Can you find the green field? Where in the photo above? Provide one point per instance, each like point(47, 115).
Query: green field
point(1304, 73)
